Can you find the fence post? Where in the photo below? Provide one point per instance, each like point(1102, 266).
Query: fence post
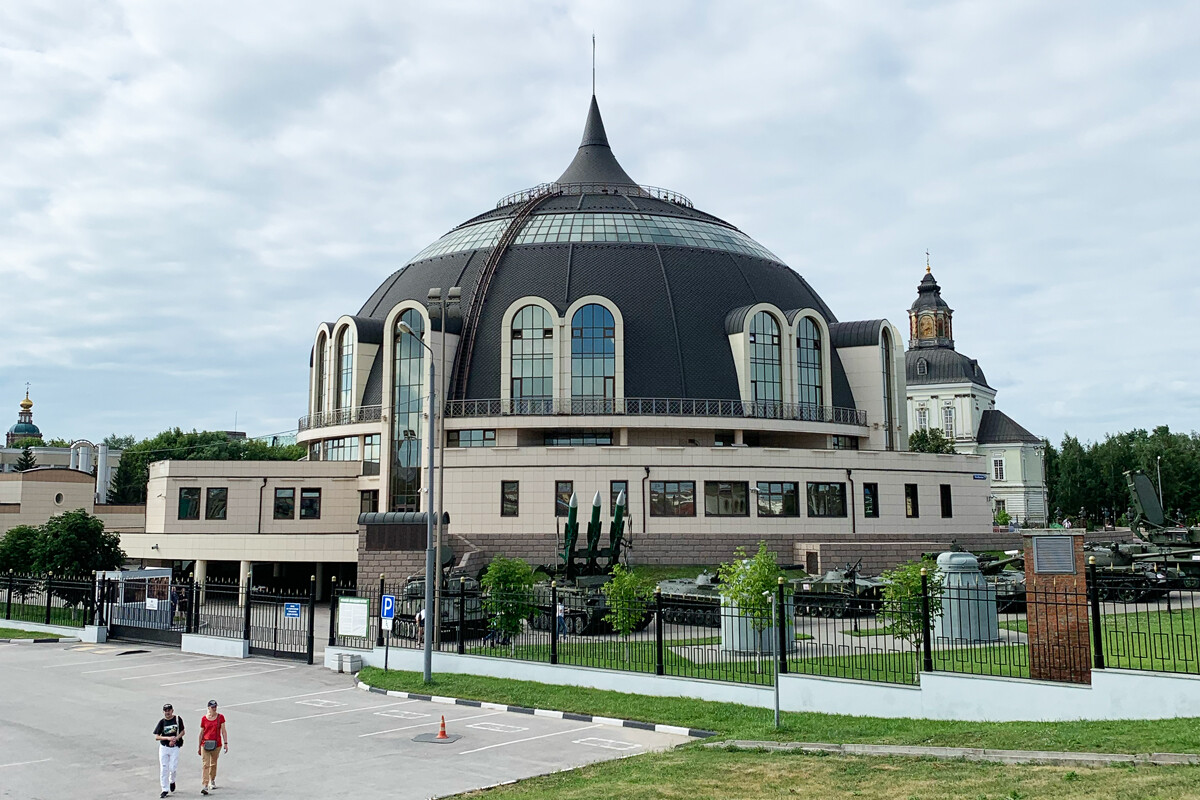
point(102, 603)
point(332, 610)
point(8, 603)
point(658, 632)
point(782, 619)
point(189, 595)
point(246, 606)
point(554, 623)
point(1097, 621)
point(462, 614)
point(379, 614)
point(197, 601)
point(49, 590)
point(312, 615)
point(926, 636)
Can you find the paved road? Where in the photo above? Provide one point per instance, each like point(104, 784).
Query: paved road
point(76, 721)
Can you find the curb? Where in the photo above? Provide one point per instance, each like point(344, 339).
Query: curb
point(40, 641)
point(694, 733)
point(970, 753)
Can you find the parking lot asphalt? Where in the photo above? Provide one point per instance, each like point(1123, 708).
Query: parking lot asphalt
point(76, 721)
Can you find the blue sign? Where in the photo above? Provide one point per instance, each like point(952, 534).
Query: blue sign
point(387, 609)
point(979, 476)
point(291, 611)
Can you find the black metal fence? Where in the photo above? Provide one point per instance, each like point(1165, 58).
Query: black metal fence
point(1052, 635)
point(49, 599)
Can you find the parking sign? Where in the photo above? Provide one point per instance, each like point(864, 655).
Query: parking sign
point(387, 609)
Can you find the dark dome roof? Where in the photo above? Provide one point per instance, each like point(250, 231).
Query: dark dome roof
point(929, 294)
point(25, 429)
point(943, 365)
point(673, 271)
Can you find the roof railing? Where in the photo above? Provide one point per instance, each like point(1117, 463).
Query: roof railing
point(655, 407)
point(629, 189)
point(341, 416)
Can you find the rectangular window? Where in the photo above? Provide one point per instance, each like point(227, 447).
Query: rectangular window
point(948, 421)
point(871, 500)
point(778, 499)
point(562, 497)
point(614, 491)
point(216, 503)
point(672, 498)
point(997, 469)
point(845, 442)
point(510, 498)
point(368, 501)
point(371, 448)
point(310, 504)
point(723, 439)
point(1001, 505)
point(726, 499)
point(577, 438)
point(947, 502)
point(912, 508)
point(922, 418)
point(285, 504)
point(826, 499)
point(189, 503)
point(471, 438)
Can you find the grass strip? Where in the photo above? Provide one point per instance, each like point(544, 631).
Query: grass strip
point(14, 633)
point(745, 722)
point(697, 772)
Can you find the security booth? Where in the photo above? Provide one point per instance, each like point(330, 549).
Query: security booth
point(142, 604)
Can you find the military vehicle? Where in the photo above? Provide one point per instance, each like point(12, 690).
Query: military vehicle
point(838, 593)
point(1174, 547)
point(462, 608)
point(1009, 583)
point(691, 601)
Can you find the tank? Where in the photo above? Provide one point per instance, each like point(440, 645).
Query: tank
point(585, 607)
point(462, 608)
point(838, 593)
point(1134, 573)
point(692, 601)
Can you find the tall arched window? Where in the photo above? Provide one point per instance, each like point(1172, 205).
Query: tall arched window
point(593, 360)
point(889, 391)
point(319, 374)
point(407, 392)
point(345, 349)
point(809, 393)
point(766, 368)
point(532, 361)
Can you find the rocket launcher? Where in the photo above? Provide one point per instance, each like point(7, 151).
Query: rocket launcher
point(570, 537)
point(616, 530)
point(593, 534)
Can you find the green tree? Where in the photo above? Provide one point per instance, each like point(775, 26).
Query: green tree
point(19, 549)
point(508, 600)
point(26, 460)
point(75, 545)
point(26, 441)
point(57, 443)
point(930, 440)
point(116, 442)
point(628, 598)
point(902, 600)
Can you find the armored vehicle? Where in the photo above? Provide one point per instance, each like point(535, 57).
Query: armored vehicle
point(838, 593)
point(1166, 542)
point(462, 608)
point(1132, 572)
point(1009, 583)
point(691, 601)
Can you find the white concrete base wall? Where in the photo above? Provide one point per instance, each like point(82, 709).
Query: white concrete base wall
point(95, 634)
point(216, 646)
point(58, 630)
point(1114, 694)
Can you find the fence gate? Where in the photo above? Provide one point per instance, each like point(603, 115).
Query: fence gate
point(144, 605)
point(280, 625)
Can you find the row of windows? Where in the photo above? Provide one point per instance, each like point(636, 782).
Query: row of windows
point(732, 499)
point(216, 503)
point(947, 420)
point(346, 448)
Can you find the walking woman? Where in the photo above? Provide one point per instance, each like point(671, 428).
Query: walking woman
point(213, 741)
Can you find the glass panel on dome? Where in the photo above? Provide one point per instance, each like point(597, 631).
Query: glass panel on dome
point(593, 360)
point(532, 361)
point(808, 360)
point(766, 368)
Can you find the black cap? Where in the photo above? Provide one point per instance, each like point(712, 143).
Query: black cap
point(212, 703)
point(168, 707)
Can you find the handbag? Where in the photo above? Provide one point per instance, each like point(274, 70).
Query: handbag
point(210, 744)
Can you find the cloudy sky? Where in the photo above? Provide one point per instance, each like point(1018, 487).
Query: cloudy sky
point(187, 189)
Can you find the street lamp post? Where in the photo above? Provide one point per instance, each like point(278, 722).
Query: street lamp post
point(451, 298)
point(430, 567)
point(1158, 467)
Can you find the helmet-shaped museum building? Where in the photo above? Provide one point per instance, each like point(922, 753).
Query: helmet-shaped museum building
point(602, 335)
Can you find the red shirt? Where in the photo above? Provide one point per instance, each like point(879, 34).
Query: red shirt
point(211, 728)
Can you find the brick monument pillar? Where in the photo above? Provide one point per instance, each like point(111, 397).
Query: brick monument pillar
point(1060, 648)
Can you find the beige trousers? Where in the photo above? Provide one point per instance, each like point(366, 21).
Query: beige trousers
point(209, 773)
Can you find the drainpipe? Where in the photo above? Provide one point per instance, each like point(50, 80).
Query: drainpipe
point(260, 496)
point(853, 527)
point(644, 514)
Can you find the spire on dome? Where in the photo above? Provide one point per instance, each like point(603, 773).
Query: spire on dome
point(594, 161)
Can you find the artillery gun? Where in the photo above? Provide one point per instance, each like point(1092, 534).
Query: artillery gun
point(839, 593)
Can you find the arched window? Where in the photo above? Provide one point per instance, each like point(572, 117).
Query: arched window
point(532, 361)
point(885, 350)
point(319, 374)
point(593, 360)
point(345, 349)
point(766, 367)
point(922, 366)
point(809, 393)
point(408, 389)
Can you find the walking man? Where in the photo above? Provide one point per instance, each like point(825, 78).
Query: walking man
point(561, 614)
point(213, 741)
point(169, 734)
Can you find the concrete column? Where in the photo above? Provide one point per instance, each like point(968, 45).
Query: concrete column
point(200, 573)
point(243, 581)
point(739, 437)
point(623, 437)
point(74, 458)
point(319, 571)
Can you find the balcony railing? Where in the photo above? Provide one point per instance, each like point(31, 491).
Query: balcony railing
point(342, 416)
point(655, 407)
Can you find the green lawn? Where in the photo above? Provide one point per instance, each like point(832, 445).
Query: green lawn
point(691, 773)
point(1153, 640)
point(36, 612)
point(14, 633)
point(744, 722)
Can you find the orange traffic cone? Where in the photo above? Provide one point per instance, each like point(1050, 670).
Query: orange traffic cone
point(442, 729)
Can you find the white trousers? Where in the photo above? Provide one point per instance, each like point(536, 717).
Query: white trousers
point(168, 760)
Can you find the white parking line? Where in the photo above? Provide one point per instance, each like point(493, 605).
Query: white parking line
point(427, 724)
point(276, 699)
point(181, 671)
point(528, 739)
point(139, 665)
point(347, 711)
point(607, 744)
point(107, 660)
point(23, 763)
point(226, 677)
